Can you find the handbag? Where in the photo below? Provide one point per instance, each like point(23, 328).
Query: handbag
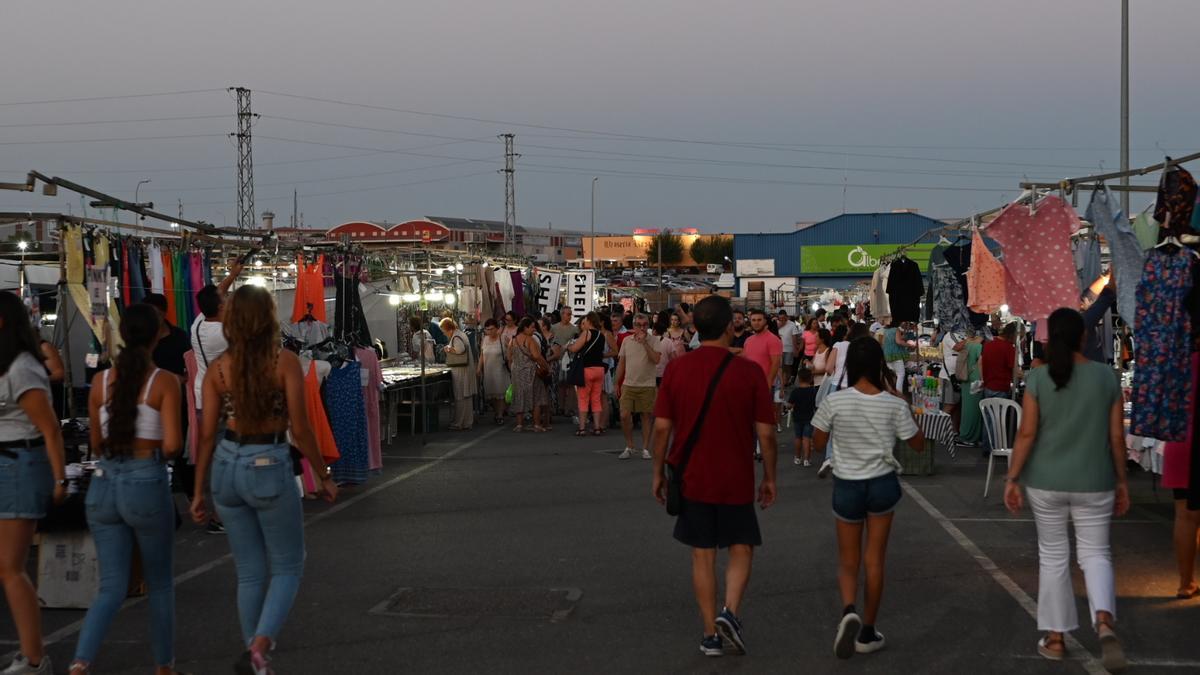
point(458, 359)
point(675, 473)
point(575, 376)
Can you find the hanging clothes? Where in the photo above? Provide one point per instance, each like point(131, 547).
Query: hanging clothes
point(1179, 456)
point(193, 425)
point(347, 417)
point(372, 376)
point(958, 258)
point(904, 289)
point(196, 281)
point(1039, 272)
point(317, 418)
point(1146, 230)
point(518, 289)
point(137, 278)
point(101, 249)
point(950, 309)
point(125, 284)
point(1126, 252)
point(181, 303)
point(309, 332)
point(1162, 332)
point(154, 253)
point(350, 322)
point(985, 278)
point(879, 299)
point(310, 290)
point(169, 288)
point(504, 281)
point(1176, 201)
point(73, 244)
point(1085, 250)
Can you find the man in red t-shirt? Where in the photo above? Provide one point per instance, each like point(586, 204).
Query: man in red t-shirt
point(718, 480)
point(997, 364)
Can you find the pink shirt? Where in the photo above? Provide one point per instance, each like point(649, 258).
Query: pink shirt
point(1039, 270)
point(760, 347)
point(810, 343)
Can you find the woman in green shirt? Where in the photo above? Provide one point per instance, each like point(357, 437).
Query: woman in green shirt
point(970, 428)
point(1070, 455)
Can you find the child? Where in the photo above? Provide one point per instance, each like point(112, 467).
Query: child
point(803, 403)
point(863, 422)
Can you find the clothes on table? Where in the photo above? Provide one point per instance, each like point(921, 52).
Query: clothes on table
point(1162, 331)
point(985, 278)
point(1037, 256)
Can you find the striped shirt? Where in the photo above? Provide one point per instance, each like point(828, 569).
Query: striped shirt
point(862, 430)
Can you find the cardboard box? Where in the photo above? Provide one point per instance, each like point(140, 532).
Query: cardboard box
point(68, 572)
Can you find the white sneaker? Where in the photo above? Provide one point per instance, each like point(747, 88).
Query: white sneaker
point(826, 469)
point(646, 454)
point(847, 636)
point(20, 666)
point(807, 463)
point(626, 453)
point(872, 646)
point(796, 461)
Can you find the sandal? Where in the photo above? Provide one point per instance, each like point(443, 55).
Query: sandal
point(1112, 655)
point(1187, 593)
point(597, 432)
point(581, 432)
point(1052, 648)
point(499, 421)
point(519, 428)
point(539, 430)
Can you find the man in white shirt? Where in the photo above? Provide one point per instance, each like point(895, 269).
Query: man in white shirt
point(208, 336)
point(788, 331)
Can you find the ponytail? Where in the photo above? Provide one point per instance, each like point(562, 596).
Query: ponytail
point(1066, 335)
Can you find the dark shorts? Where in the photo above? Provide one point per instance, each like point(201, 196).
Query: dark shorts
point(804, 430)
point(854, 500)
point(701, 525)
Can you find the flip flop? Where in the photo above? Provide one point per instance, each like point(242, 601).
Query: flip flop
point(1188, 594)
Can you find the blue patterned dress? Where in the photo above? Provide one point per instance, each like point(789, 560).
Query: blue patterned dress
point(348, 418)
point(1162, 391)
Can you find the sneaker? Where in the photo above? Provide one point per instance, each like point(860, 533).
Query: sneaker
point(730, 630)
point(626, 453)
point(215, 527)
point(710, 645)
point(253, 663)
point(807, 463)
point(797, 461)
point(847, 636)
point(870, 647)
point(20, 666)
point(826, 469)
point(646, 454)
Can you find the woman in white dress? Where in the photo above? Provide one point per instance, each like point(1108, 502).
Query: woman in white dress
point(493, 369)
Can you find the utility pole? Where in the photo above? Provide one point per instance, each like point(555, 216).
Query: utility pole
point(295, 210)
point(245, 169)
point(510, 195)
point(1125, 104)
point(592, 262)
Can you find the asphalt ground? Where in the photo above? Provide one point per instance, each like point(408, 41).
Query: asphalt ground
point(542, 553)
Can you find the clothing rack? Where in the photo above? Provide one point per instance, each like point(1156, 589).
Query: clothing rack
point(1070, 184)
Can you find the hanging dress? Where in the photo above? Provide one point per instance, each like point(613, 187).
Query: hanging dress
point(310, 290)
point(985, 278)
point(169, 289)
point(970, 427)
point(1039, 269)
point(1162, 392)
point(154, 255)
point(369, 362)
point(348, 420)
point(1128, 258)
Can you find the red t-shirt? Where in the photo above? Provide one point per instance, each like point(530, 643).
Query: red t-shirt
point(996, 364)
point(721, 468)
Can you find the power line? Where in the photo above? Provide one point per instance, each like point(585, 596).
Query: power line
point(356, 190)
point(110, 98)
point(125, 121)
point(320, 180)
point(110, 140)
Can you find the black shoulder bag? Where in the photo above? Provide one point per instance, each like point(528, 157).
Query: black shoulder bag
point(675, 473)
point(575, 375)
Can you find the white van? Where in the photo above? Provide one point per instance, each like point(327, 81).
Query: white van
point(725, 281)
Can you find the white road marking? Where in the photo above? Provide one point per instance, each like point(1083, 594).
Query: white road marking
point(72, 628)
point(1116, 521)
point(1089, 662)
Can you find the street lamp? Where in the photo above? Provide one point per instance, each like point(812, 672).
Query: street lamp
point(136, 189)
point(592, 263)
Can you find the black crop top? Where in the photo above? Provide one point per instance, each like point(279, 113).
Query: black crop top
point(593, 353)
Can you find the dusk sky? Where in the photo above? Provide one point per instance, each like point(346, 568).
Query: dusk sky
point(729, 117)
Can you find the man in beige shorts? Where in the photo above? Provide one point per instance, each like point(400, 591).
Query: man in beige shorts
point(635, 383)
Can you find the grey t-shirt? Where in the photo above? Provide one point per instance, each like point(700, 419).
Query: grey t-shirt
point(25, 373)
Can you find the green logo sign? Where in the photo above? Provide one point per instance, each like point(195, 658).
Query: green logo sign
point(862, 259)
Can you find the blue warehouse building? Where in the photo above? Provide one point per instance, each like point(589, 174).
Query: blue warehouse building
point(835, 253)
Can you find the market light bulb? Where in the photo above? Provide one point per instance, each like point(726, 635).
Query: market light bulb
point(284, 274)
point(22, 245)
point(394, 300)
point(257, 280)
point(292, 267)
point(258, 263)
point(816, 306)
point(434, 296)
point(458, 266)
point(450, 299)
point(1004, 309)
point(411, 297)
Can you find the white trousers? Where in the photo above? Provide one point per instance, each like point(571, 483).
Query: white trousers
point(1092, 514)
point(898, 368)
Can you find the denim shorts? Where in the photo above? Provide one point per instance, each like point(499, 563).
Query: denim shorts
point(26, 484)
point(804, 431)
point(854, 500)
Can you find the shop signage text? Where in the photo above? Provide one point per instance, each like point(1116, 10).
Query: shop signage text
point(580, 293)
point(549, 286)
point(861, 259)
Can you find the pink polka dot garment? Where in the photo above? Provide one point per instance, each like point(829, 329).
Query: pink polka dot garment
point(1039, 270)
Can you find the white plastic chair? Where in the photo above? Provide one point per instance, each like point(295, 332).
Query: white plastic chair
point(1001, 420)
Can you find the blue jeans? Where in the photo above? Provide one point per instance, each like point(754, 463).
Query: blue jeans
point(987, 439)
point(130, 499)
point(255, 494)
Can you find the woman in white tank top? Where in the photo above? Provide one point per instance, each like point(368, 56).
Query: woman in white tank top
point(134, 411)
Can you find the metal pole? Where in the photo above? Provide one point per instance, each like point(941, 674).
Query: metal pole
point(1125, 101)
point(592, 262)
